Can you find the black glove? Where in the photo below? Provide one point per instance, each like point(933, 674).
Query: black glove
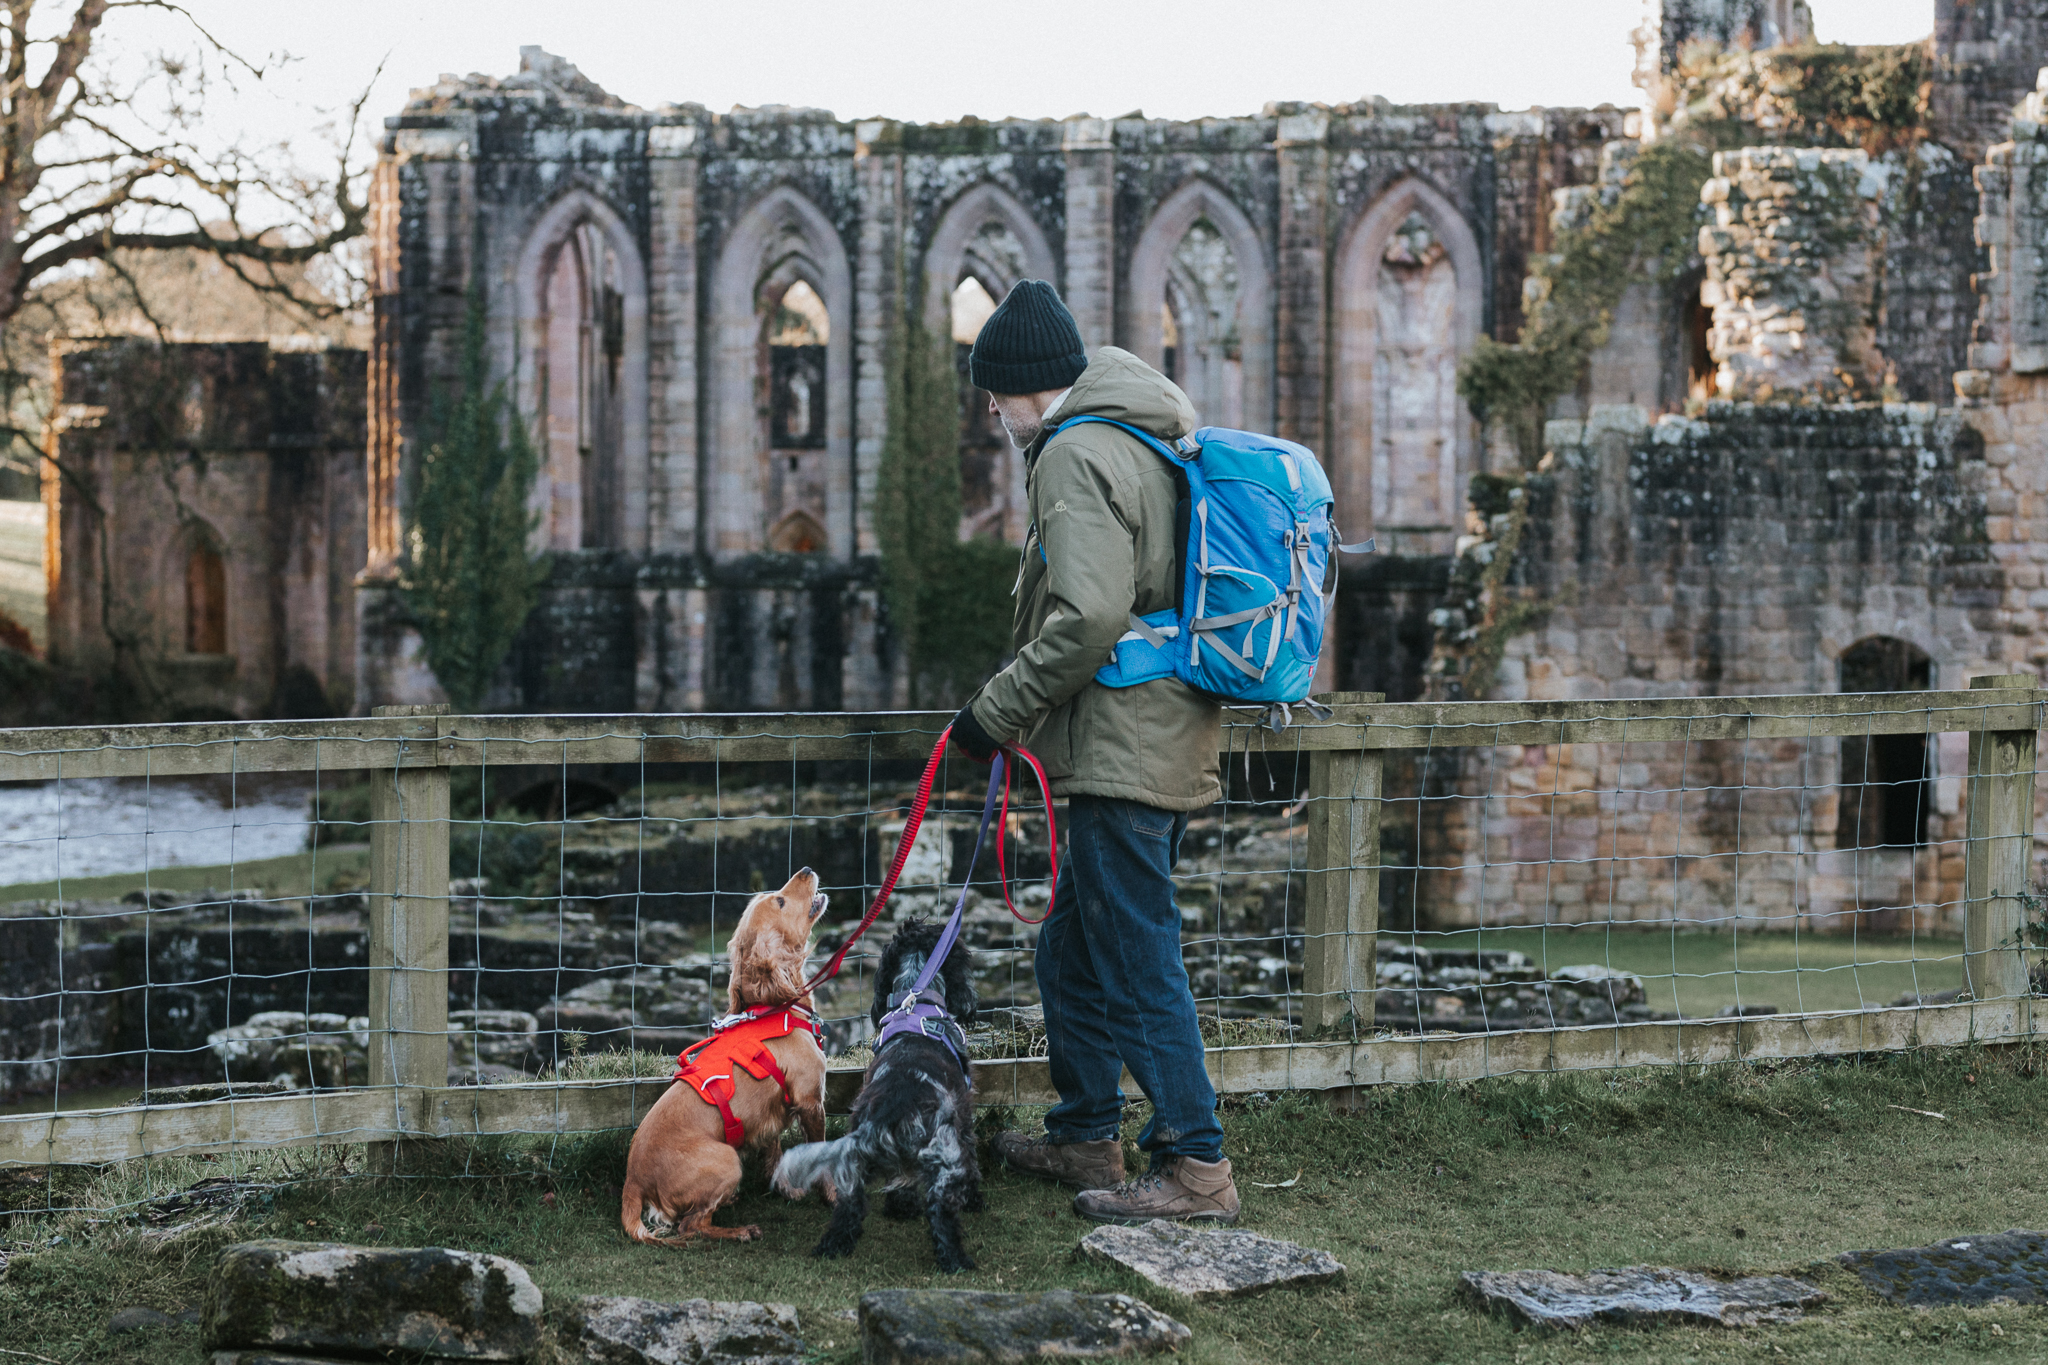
point(974, 741)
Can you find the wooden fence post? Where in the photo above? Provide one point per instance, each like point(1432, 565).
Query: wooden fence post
point(1342, 915)
point(1998, 855)
point(408, 923)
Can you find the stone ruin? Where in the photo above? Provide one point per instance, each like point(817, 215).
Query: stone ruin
point(1802, 461)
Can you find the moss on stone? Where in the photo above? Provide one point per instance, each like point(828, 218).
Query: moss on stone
point(1643, 224)
point(949, 600)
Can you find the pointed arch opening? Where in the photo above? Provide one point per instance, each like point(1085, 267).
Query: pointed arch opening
point(1200, 306)
point(782, 387)
point(1409, 299)
point(582, 367)
point(982, 245)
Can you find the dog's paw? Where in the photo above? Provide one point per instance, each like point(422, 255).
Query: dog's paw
point(750, 1233)
point(832, 1249)
point(953, 1265)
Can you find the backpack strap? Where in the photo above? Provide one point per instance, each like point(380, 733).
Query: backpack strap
point(1180, 452)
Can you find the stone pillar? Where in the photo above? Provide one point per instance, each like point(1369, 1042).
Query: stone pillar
point(2012, 222)
point(423, 226)
point(1090, 289)
point(1792, 261)
point(1301, 321)
point(877, 304)
point(672, 340)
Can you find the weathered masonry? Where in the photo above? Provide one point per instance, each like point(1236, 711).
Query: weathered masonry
point(697, 313)
point(207, 524)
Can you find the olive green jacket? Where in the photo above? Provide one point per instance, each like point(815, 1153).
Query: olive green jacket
point(1102, 546)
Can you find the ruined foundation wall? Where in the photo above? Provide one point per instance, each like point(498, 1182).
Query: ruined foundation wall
point(251, 456)
point(1741, 553)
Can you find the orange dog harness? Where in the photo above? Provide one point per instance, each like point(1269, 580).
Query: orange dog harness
point(740, 1040)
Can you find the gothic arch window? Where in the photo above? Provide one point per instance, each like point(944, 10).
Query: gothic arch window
point(782, 299)
point(1885, 793)
point(1200, 287)
point(583, 374)
point(1408, 309)
point(798, 533)
point(981, 247)
point(206, 594)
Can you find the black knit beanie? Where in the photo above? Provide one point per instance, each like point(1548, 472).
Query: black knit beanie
point(1029, 344)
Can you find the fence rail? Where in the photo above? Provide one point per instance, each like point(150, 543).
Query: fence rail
point(1347, 761)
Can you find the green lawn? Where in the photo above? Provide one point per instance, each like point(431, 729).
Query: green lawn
point(334, 867)
point(1737, 1168)
point(1697, 972)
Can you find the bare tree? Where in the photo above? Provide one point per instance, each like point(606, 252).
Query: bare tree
point(96, 162)
point(105, 170)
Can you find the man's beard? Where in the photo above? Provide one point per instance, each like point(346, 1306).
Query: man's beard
point(1024, 432)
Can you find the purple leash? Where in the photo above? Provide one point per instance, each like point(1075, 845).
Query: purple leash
point(923, 1010)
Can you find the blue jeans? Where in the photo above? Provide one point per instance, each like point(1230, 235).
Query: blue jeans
point(1115, 992)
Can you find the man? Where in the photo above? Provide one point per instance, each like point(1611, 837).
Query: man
point(1132, 763)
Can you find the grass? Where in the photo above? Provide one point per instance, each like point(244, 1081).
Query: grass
point(1736, 1167)
point(1697, 972)
point(343, 867)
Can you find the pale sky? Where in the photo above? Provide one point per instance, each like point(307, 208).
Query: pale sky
point(929, 60)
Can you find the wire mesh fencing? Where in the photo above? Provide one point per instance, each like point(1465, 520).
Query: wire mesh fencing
point(244, 939)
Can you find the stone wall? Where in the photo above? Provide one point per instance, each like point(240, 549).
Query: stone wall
point(209, 511)
point(1744, 552)
point(704, 557)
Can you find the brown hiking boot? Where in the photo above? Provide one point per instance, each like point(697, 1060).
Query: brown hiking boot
point(1185, 1191)
point(1087, 1165)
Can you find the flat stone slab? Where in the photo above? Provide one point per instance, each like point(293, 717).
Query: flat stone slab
point(627, 1331)
point(313, 1297)
point(1209, 1263)
point(2001, 1267)
point(1636, 1294)
point(914, 1326)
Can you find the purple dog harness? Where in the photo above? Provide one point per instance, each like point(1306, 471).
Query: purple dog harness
point(922, 1009)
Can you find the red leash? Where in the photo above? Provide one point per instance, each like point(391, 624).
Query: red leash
point(918, 806)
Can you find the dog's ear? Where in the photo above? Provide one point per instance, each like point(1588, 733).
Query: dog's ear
point(885, 973)
point(961, 1000)
point(772, 969)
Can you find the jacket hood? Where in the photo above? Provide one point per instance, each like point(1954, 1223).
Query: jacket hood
point(1123, 388)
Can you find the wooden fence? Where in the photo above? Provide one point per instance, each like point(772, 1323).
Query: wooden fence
point(408, 971)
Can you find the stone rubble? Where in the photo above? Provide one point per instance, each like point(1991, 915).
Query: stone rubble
point(371, 1301)
point(1637, 1294)
point(927, 1326)
point(630, 1331)
point(2005, 1267)
point(1209, 1263)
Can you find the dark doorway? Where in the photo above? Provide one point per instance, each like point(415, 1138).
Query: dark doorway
point(1885, 786)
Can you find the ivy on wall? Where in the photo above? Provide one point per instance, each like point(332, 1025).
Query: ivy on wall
point(1647, 226)
point(949, 599)
point(469, 579)
point(1643, 223)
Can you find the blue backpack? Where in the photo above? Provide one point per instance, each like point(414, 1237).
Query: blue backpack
point(1253, 604)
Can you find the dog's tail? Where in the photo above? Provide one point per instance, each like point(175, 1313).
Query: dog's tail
point(843, 1161)
point(632, 1209)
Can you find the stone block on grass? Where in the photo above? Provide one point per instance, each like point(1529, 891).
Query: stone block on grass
point(1638, 1294)
point(627, 1331)
point(1209, 1263)
point(313, 1297)
point(2003, 1267)
point(922, 1326)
